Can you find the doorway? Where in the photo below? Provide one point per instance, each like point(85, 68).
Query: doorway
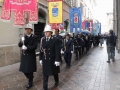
point(39, 28)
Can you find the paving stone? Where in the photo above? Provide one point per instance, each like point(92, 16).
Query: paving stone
point(91, 72)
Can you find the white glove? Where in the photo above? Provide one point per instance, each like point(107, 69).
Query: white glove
point(40, 62)
point(23, 39)
point(62, 52)
point(24, 47)
point(71, 51)
point(57, 63)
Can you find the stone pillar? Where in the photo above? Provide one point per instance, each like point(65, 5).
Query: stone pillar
point(115, 18)
point(118, 23)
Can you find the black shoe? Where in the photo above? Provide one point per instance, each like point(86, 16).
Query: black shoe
point(76, 59)
point(113, 60)
point(56, 84)
point(108, 61)
point(68, 66)
point(28, 87)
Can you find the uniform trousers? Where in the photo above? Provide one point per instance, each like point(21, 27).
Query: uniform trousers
point(67, 57)
point(78, 50)
point(45, 81)
point(29, 77)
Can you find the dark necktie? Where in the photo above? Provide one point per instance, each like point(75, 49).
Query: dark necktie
point(47, 39)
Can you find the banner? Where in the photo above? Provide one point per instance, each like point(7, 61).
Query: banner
point(71, 19)
point(75, 20)
point(20, 8)
point(55, 12)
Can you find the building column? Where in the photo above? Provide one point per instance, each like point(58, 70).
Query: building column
point(118, 24)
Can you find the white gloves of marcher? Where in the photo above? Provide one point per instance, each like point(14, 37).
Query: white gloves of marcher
point(23, 39)
point(40, 62)
point(71, 51)
point(57, 63)
point(62, 52)
point(24, 47)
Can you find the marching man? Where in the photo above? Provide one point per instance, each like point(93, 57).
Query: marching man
point(49, 57)
point(28, 44)
point(67, 50)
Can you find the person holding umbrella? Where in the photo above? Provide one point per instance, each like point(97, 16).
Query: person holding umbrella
point(28, 65)
point(49, 57)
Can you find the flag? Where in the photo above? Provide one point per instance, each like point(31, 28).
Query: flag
point(76, 20)
point(71, 19)
point(55, 12)
point(20, 8)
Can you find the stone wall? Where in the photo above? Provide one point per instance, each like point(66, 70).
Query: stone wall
point(9, 55)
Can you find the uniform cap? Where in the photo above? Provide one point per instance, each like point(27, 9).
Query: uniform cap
point(29, 26)
point(48, 28)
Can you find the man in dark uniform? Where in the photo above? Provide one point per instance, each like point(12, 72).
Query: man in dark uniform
point(28, 57)
point(68, 50)
point(91, 40)
point(49, 57)
point(80, 42)
point(60, 41)
point(75, 42)
point(94, 40)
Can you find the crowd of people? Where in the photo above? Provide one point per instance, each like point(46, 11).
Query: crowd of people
point(52, 48)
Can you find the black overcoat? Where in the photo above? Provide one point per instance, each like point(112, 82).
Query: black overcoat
point(28, 58)
point(49, 53)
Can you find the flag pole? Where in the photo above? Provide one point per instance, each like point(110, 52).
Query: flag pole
point(23, 40)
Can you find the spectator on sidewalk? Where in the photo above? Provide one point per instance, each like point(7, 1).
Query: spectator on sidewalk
point(111, 46)
point(28, 65)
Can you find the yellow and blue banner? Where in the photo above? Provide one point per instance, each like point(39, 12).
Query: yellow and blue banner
point(55, 12)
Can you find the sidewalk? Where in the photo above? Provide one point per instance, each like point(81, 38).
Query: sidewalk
point(91, 72)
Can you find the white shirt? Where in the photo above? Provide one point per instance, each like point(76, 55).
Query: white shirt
point(66, 40)
point(48, 38)
point(29, 35)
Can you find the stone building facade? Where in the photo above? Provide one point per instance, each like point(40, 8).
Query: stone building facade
point(116, 21)
point(109, 17)
point(88, 8)
point(10, 35)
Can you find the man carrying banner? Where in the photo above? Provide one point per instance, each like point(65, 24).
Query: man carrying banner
point(49, 57)
point(28, 57)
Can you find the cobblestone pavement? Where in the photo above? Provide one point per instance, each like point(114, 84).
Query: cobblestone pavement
point(91, 72)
